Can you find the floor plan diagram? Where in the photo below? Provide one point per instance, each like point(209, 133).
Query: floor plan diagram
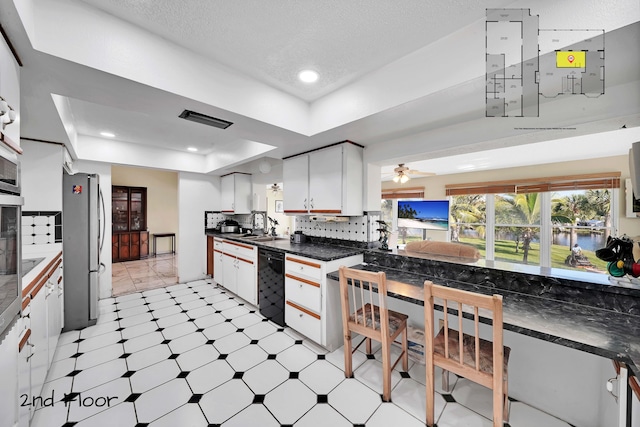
point(517, 74)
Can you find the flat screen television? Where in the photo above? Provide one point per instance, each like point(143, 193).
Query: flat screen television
point(424, 214)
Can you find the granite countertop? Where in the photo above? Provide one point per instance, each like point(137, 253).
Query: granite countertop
point(607, 333)
point(317, 251)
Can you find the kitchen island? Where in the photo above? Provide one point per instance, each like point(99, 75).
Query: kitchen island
point(567, 329)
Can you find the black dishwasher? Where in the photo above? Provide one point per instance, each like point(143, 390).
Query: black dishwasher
point(271, 285)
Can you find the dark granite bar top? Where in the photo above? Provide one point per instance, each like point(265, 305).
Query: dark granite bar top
point(607, 333)
point(317, 251)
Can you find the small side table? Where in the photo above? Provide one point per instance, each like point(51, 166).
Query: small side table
point(173, 241)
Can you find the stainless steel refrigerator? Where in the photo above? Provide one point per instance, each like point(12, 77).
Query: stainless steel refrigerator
point(81, 243)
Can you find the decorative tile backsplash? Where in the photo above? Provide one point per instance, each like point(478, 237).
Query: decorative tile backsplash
point(357, 228)
point(212, 219)
point(41, 227)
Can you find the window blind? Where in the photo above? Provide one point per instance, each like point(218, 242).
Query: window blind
point(403, 193)
point(607, 180)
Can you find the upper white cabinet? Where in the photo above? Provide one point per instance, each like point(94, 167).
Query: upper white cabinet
point(236, 195)
point(326, 181)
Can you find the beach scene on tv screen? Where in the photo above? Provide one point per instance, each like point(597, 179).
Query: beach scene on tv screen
point(426, 214)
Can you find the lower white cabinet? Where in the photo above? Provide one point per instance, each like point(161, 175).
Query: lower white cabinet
point(312, 307)
point(9, 366)
point(217, 261)
point(239, 270)
point(42, 321)
point(229, 273)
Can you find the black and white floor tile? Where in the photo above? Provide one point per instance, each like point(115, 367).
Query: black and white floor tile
point(194, 355)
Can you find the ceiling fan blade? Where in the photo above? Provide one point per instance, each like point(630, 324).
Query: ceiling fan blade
point(416, 172)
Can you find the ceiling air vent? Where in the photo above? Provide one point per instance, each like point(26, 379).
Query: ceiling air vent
point(204, 119)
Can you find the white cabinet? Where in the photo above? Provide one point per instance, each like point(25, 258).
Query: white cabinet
point(326, 181)
point(236, 196)
point(42, 320)
point(312, 307)
point(217, 261)
point(24, 378)
point(240, 273)
point(39, 337)
point(9, 366)
point(247, 280)
point(295, 177)
point(53, 297)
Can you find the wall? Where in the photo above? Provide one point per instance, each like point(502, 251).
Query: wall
point(285, 223)
point(41, 175)
point(434, 186)
point(197, 193)
point(162, 199)
point(104, 170)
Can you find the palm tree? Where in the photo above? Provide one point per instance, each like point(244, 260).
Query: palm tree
point(526, 211)
point(568, 209)
point(466, 209)
point(600, 201)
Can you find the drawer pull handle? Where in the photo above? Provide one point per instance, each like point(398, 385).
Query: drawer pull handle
point(300, 314)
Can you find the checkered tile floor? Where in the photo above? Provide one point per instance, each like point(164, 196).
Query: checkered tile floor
point(193, 355)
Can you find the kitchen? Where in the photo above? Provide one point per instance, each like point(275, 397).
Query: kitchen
point(91, 153)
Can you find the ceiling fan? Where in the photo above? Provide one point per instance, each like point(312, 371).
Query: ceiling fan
point(402, 172)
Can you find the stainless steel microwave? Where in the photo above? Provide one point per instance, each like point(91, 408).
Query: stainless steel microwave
point(10, 244)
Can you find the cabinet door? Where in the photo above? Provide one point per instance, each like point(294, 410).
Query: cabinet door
point(229, 272)
point(295, 177)
point(124, 253)
point(247, 281)
point(135, 246)
point(119, 208)
point(137, 205)
point(115, 247)
point(325, 181)
point(144, 244)
point(218, 267)
point(53, 318)
point(227, 189)
point(40, 357)
point(242, 194)
point(24, 377)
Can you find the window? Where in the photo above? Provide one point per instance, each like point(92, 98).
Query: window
point(581, 218)
point(468, 221)
point(538, 222)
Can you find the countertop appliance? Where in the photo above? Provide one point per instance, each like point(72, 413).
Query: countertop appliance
point(82, 239)
point(10, 244)
point(298, 237)
point(271, 285)
point(228, 226)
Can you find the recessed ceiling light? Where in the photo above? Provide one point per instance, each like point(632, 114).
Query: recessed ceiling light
point(308, 76)
point(108, 134)
point(194, 149)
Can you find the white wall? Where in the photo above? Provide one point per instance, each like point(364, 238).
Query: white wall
point(197, 193)
point(41, 175)
point(104, 170)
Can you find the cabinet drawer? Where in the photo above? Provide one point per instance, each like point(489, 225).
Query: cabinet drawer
point(304, 321)
point(240, 250)
point(302, 291)
point(307, 269)
point(217, 244)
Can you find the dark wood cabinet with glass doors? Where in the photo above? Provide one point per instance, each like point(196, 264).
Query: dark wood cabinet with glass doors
point(130, 238)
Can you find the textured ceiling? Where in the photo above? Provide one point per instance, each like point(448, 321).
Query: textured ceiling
point(273, 40)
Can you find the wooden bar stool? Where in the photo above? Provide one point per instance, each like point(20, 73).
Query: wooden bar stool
point(481, 361)
point(372, 321)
